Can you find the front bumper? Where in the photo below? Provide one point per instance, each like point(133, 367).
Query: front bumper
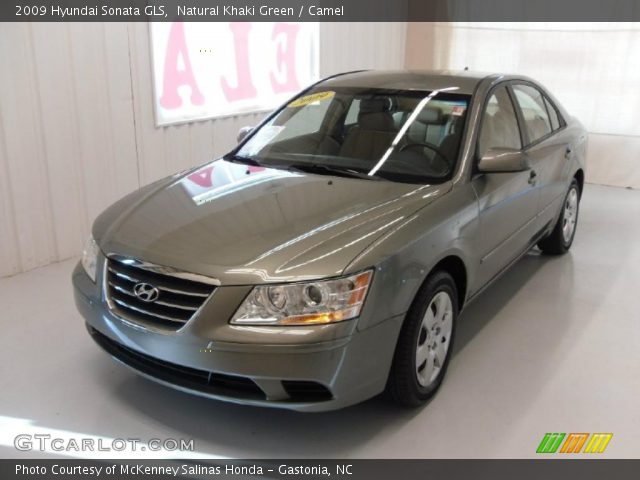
point(313, 368)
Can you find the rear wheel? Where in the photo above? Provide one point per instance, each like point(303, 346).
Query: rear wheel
point(561, 238)
point(425, 343)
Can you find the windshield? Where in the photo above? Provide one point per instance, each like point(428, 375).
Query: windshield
point(398, 135)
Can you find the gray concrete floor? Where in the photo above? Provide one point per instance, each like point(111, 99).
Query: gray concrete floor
point(553, 346)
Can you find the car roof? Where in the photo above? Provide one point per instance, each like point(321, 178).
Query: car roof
point(465, 81)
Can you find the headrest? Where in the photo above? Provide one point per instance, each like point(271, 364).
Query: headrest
point(377, 121)
point(371, 105)
point(431, 115)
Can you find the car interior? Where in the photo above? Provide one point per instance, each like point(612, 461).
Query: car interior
point(360, 130)
point(429, 145)
point(499, 124)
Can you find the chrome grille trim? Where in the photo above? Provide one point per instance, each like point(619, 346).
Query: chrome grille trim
point(159, 287)
point(140, 310)
point(181, 295)
point(157, 302)
point(168, 271)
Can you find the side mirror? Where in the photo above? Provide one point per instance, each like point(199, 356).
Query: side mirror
point(503, 160)
point(243, 132)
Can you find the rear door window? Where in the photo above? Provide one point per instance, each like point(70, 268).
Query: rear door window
point(553, 114)
point(534, 111)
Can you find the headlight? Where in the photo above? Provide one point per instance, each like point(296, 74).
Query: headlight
point(311, 303)
point(90, 258)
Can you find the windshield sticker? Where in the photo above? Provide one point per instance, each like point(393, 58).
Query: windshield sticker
point(313, 98)
point(458, 110)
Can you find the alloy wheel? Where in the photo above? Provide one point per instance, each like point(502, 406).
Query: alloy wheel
point(570, 215)
point(434, 338)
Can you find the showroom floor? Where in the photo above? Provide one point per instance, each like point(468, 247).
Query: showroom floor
point(553, 346)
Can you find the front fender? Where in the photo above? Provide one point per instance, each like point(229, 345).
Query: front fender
point(405, 256)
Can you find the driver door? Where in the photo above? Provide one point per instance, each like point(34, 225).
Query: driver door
point(508, 202)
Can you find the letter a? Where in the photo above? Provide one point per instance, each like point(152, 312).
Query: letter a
point(174, 78)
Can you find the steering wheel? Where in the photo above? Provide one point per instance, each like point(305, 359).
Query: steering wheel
point(430, 146)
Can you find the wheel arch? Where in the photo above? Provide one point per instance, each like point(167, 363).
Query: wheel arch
point(396, 387)
point(454, 266)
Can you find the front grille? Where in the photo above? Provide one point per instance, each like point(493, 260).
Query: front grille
point(192, 378)
point(177, 301)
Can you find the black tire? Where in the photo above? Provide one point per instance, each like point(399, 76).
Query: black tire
point(555, 243)
point(403, 386)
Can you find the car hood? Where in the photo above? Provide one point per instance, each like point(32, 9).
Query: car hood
point(249, 225)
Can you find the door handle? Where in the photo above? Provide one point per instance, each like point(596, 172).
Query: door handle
point(532, 177)
point(567, 153)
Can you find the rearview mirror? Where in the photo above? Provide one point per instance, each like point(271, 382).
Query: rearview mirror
point(243, 132)
point(503, 160)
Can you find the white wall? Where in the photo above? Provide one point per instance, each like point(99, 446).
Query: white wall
point(77, 128)
point(593, 69)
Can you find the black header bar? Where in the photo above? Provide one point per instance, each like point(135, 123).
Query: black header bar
point(319, 10)
point(291, 469)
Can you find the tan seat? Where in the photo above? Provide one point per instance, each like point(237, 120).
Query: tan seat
point(498, 131)
point(428, 126)
point(373, 133)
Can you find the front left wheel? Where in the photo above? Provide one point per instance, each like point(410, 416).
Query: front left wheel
point(425, 342)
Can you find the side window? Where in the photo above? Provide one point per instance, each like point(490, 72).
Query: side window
point(499, 127)
point(553, 114)
point(352, 114)
point(534, 111)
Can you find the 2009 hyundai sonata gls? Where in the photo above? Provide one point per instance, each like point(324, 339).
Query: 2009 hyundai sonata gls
point(326, 258)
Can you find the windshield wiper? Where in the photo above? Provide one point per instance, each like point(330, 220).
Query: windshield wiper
point(330, 170)
point(243, 160)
